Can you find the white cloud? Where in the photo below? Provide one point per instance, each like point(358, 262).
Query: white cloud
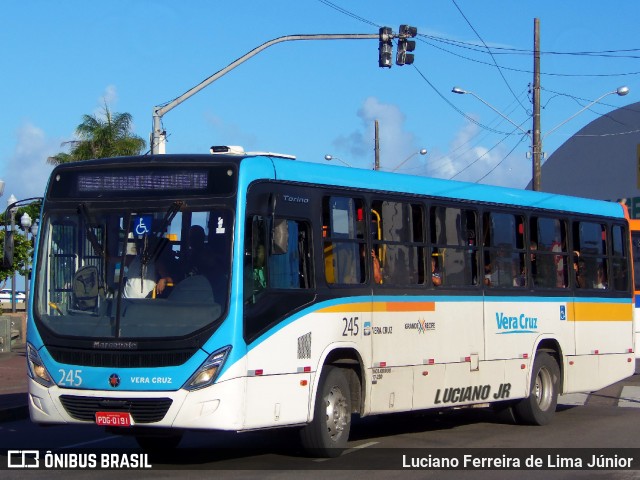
point(396, 144)
point(26, 172)
point(476, 157)
point(110, 96)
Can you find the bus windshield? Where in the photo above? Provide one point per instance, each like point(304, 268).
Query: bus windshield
point(133, 272)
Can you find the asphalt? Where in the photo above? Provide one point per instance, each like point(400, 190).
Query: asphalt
point(13, 384)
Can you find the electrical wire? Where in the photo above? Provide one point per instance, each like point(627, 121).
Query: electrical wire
point(489, 51)
point(501, 161)
point(483, 155)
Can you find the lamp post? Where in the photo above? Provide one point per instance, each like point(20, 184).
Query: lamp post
point(25, 223)
point(422, 151)
point(461, 91)
point(328, 158)
point(536, 144)
point(12, 213)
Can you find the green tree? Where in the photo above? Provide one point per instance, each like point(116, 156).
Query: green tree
point(22, 245)
point(100, 137)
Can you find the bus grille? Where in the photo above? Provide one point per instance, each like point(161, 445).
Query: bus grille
point(142, 410)
point(121, 359)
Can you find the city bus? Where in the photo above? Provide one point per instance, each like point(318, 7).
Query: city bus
point(634, 225)
point(318, 292)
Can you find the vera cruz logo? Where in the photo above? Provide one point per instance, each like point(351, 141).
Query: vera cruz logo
point(516, 324)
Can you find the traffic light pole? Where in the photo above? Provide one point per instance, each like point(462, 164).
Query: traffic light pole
point(158, 135)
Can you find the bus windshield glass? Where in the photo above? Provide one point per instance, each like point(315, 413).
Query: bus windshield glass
point(133, 272)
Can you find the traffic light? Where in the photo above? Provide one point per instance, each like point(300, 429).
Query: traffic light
point(404, 45)
point(385, 48)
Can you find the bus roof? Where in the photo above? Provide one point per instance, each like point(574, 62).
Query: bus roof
point(341, 176)
point(435, 187)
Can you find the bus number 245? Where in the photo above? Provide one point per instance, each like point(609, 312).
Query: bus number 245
point(351, 328)
point(70, 378)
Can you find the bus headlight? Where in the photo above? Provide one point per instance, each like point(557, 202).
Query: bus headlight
point(36, 368)
point(208, 372)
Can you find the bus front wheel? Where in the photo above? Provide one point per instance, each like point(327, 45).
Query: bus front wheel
point(327, 434)
point(538, 408)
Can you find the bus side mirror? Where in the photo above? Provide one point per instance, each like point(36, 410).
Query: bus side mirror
point(280, 236)
point(7, 249)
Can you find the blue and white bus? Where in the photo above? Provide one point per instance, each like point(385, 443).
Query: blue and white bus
point(266, 292)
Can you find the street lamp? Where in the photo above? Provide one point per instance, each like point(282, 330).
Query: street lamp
point(461, 91)
point(1, 187)
point(536, 145)
point(620, 91)
point(12, 213)
point(328, 158)
point(25, 223)
point(422, 151)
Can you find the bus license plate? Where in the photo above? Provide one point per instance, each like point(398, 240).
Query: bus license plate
point(113, 419)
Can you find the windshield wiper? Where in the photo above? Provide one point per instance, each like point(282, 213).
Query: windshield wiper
point(159, 244)
point(84, 212)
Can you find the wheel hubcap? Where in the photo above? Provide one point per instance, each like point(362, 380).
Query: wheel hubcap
point(543, 389)
point(337, 413)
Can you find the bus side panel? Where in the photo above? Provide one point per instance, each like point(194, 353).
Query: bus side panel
point(455, 384)
point(284, 364)
point(273, 400)
point(603, 327)
point(514, 323)
point(587, 373)
point(417, 331)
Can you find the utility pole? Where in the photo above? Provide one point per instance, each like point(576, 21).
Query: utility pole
point(536, 141)
point(376, 164)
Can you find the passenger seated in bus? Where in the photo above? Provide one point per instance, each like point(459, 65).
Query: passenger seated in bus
point(601, 281)
point(192, 261)
point(143, 278)
point(377, 271)
point(436, 279)
point(579, 270)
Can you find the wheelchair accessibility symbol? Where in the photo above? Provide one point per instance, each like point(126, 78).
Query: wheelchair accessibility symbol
point(144, 225)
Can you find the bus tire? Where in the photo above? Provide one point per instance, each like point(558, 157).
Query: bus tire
point(539, 407)
point(327, 434)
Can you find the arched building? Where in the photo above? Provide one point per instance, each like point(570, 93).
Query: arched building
point(601, 161)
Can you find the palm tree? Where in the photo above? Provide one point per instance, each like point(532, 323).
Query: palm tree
point(101, 137)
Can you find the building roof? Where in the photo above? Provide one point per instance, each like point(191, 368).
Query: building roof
point(600, 161)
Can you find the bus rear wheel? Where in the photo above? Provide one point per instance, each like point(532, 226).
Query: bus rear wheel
point(539, 407)
point(327, 434)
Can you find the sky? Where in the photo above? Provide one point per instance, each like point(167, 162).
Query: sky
point(62, 60)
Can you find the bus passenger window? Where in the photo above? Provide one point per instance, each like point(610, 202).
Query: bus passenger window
point(453, 235)
point(551, 258)
point(399, 240)
point(255, 269)
point(290, 267)
point(344, 243)
point(504, 250)
point(619, 272)
point(590, 265)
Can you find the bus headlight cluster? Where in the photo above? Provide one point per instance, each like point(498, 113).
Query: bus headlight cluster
point(37, 370)
point(209, 370)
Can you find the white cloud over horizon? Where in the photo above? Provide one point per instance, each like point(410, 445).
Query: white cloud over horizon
point(470, 156)
point(26, 171)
